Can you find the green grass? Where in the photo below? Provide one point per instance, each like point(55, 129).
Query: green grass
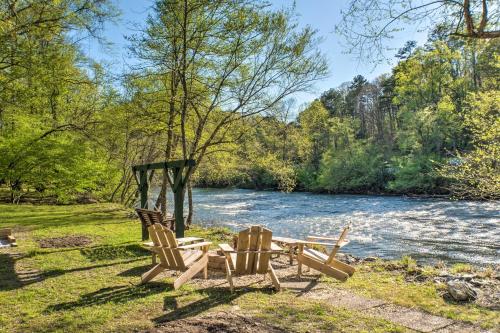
point(462, 268)
point(94, 288)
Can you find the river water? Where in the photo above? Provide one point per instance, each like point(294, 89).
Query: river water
point(429, 230)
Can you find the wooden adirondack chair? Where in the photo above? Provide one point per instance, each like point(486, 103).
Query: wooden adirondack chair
point(150, 217)
point(321, 262)
point(190, 259)
point(252, 255)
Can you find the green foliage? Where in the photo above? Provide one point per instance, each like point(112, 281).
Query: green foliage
point(49, 101)
point(431, 130)
point(60, 166)
point(426, 76)
point(416, 174)
point(438, 115)
point(359, 168)
point(482, 117)
point(409, 264)
point(476, 173)
point(268, 172)
point(312, 142)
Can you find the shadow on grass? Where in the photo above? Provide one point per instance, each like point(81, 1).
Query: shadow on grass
point(298, 283)
point(8, 277)
point(11, 279)
point(110, 252)
point(213, 298)
point(135, 271)
point(117, 295)
point(45, 251)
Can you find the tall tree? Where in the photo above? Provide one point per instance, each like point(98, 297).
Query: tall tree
point(366, 24)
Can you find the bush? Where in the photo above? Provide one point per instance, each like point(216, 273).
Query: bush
point(357, 168)
point(417, 174)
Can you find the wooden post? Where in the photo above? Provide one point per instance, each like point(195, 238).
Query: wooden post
point(178, 189)
point(143, 188)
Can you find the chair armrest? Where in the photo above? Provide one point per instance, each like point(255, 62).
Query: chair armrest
point(195, 245)
point(185, 240)
point(314, 238)
point(254, 251)
point(226, 248)
point(275, 247)
point(316, 243)
point(155, 249)
point(285, 240)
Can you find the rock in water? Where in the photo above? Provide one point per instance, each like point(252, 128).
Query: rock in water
point(461, 290)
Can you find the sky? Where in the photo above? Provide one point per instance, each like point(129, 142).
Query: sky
point(321, 15)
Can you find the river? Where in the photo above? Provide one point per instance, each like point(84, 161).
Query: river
point(429, 230)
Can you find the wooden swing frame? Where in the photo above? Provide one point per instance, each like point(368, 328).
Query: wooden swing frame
point(180, 171)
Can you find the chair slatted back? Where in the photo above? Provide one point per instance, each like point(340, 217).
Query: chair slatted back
point(149, 217)
point(249, 256)
point(165, 245)
point(337, 246)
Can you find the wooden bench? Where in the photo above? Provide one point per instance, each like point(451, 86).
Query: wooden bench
point(149, 217)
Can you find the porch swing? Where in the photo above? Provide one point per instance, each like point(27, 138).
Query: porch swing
point(177, 178)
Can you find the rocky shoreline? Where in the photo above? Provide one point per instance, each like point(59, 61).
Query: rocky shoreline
point(462, 283)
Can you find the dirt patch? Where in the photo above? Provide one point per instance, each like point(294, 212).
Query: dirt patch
point(220, 322)
point(62, 242)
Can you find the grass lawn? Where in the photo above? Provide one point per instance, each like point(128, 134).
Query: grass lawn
point(94, 288)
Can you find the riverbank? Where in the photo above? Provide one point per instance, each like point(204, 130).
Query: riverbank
point(440, 195)
point(93, 287)
point(34, 197)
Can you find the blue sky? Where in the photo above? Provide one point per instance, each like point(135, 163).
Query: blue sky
point(322, 15)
